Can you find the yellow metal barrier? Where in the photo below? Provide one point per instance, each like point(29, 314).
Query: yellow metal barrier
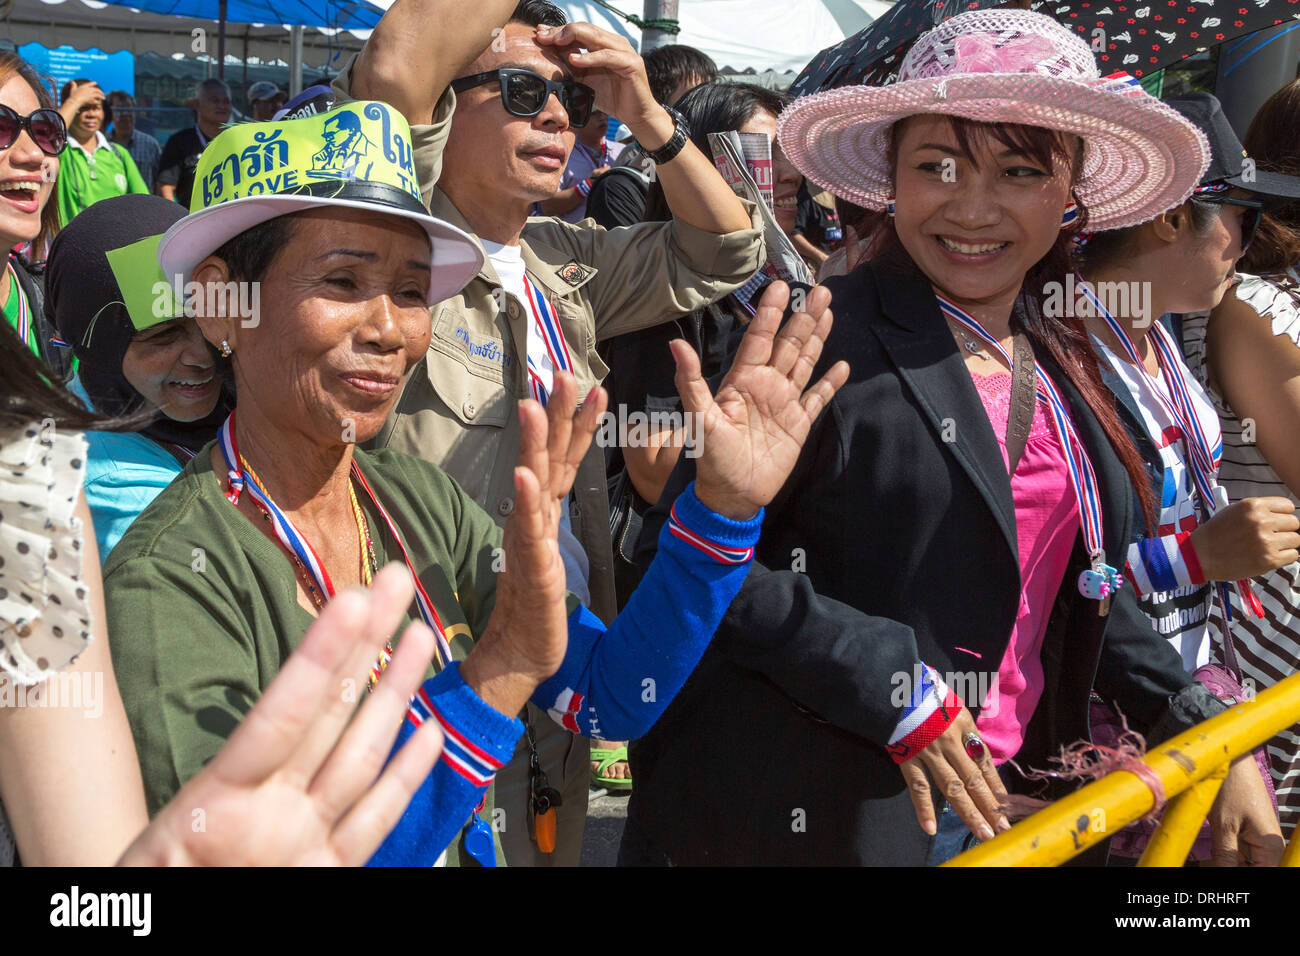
point(1191, 767)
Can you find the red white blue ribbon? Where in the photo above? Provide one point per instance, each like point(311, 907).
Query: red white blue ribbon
point(1121, 84)
point(462, 755)
point(1202, 459)
point(1083, 479)
point(718, 552)
point(557, 349)
point(930, 711)
point(239, 480)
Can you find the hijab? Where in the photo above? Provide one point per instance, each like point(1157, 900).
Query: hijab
point(85, 303)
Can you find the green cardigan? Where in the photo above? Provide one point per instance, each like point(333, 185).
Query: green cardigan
point(204, 612)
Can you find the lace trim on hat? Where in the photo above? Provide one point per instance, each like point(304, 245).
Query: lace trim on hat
point(45, 619)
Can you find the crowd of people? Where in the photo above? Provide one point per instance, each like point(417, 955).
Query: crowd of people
point(322, 400)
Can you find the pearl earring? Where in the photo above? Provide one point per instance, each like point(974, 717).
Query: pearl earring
point(225, 348)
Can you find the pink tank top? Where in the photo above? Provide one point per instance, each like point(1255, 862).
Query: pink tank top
point(1047, 523)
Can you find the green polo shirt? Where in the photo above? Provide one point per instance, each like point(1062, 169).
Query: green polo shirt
point(203, 607)
point(86, 179)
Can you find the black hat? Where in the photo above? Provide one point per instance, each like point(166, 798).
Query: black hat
point(1229, 163)
point(84, 301)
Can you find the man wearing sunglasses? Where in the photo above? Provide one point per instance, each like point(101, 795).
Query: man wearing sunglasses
point(494, 130)
point(92, 168)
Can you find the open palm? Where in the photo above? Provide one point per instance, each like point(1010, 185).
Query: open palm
point(299, 782)
point(751, 433)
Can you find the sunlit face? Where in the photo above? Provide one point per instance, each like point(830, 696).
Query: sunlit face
point(974, 228)
point(490, 152)
point(343, 318)
point(171, 365)
point(24, 189)
point(1200, 268)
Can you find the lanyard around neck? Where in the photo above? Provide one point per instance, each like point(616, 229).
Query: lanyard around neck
point(548, 327)
point(1203, 462)
point(24, 325)
point(1083, 479)
point(238, 480)
point(203, 140)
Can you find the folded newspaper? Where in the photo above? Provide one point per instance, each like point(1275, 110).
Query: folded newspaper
point(745, 162)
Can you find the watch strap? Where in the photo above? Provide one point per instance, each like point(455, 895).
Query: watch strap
point(676, 142)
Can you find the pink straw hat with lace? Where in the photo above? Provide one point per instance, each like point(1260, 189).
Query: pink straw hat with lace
point(1006, 66)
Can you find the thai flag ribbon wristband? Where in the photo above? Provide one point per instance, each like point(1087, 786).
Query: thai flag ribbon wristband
point(930, 711)
point(1164, 564)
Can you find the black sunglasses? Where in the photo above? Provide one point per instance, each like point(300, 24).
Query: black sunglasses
point(524, 93)
point(46, 126)
point(1254, 210)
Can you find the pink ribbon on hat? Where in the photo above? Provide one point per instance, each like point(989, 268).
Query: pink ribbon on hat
point(977, 53)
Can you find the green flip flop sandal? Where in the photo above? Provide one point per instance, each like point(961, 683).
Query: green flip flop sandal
point(608, 757)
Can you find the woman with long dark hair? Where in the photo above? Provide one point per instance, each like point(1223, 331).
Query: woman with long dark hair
point(1184, 261)
point(1246, 353)
point(941, 593)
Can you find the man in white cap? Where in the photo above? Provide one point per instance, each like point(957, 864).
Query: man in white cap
point(549, 290)
point(264, 98)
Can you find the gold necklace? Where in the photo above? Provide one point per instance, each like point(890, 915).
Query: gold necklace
point(369, 565)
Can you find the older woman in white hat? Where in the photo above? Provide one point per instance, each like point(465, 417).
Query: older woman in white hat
point(955, 528)
point(215, 582)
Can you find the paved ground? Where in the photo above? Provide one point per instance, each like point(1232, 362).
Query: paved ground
point(605, 816)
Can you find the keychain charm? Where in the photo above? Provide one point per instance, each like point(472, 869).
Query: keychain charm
point(542, 798)
point(1100, 582)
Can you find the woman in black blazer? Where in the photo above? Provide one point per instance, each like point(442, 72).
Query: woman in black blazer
point(895, 545)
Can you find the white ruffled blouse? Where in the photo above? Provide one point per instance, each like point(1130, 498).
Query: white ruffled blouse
point(45, 618)
point(44, 613)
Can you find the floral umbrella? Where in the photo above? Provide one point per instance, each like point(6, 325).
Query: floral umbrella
point(1136, 36)
point(1142, 37)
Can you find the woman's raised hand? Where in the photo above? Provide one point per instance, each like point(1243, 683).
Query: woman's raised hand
point(299, 781)
point(527, 635)
point(750, 435)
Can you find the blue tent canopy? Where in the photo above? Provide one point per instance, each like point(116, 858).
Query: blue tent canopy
point(347, 14)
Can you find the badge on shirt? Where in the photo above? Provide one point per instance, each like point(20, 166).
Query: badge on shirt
point(573, 273)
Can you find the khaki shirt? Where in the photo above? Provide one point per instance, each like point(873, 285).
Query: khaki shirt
point(458, 408)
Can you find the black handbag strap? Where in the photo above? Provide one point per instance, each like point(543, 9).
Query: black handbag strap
point(1024, 396)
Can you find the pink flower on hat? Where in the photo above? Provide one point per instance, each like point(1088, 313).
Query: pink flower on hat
point(977, 53)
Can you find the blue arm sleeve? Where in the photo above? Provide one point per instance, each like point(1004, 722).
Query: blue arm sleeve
point(478, 742)
point(615, 683)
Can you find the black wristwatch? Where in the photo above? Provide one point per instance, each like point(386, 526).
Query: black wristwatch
point(669, 150)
